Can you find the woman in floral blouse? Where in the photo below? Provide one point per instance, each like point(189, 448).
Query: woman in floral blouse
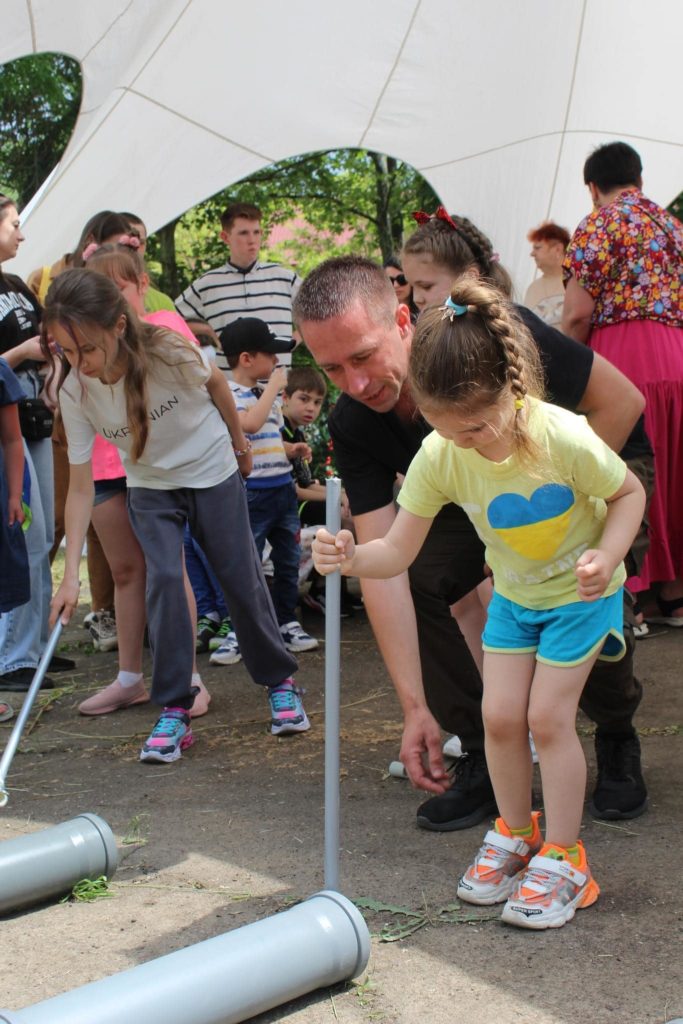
point(624, 298)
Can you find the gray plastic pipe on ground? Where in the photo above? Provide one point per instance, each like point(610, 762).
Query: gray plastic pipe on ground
point(226, 979)
point(48, 863)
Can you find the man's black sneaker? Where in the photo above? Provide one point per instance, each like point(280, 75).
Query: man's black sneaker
point(19, 681)
point(620, 791)
point(469, 800)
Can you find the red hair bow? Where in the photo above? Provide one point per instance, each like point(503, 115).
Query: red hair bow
point(441, 213)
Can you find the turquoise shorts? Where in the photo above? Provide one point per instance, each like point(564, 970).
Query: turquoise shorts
point(565, 636)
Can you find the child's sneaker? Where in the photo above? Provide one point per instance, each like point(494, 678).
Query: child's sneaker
point(287, 709)
point(170, 735)
point(103, 632)
point(551, 890)
point(496, 868)
point(221, 633)
point(228, 653)
point(206, 631)
point(296, 638)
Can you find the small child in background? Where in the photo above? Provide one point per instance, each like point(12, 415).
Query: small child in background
point(251, 351)
point(302, 401)
point(15, 586)
point(208, 340)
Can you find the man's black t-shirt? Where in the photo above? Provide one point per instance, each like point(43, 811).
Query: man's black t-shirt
point(370, 448)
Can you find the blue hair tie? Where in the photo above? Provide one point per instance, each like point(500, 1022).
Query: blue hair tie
point(452, 309)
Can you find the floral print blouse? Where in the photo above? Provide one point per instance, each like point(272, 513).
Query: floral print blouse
point(628, 256)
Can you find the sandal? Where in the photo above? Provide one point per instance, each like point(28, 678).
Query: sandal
point(667, 609)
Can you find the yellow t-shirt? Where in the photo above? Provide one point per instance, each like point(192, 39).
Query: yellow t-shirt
point(534, 527)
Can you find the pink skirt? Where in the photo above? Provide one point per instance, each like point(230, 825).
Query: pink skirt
point(650, 354)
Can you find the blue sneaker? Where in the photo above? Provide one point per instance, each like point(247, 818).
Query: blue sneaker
point(169, 737)
point(287, 709)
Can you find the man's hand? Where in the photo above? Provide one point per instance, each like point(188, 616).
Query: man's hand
point(594, 569)
point(332, 552)
point(421, 752)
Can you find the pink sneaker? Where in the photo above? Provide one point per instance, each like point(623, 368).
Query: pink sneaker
point(114, 697)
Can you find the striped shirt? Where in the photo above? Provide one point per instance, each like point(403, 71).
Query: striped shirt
point(223, 295)
point(272, 468)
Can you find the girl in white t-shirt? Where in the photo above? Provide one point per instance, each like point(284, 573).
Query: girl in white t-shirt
point(149, 391)
point(557, 511)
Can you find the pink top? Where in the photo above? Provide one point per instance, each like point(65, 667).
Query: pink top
point(106, 461)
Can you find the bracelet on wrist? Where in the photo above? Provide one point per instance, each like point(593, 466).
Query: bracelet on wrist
point(243, 451)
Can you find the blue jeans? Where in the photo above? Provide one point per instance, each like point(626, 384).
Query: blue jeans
point(274, 517)
point(24, 630)
point(207, 591)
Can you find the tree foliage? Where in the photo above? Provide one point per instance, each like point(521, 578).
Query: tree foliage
point(40, 96)
point(350, 200)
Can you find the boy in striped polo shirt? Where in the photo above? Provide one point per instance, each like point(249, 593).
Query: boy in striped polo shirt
point(244, 286)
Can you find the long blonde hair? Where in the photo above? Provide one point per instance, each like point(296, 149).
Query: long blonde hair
point(80, 298)
point(469, 354)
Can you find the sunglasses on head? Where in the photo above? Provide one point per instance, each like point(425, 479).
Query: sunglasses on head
point(400, 279)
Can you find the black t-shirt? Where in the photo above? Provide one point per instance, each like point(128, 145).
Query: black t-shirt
point(370, 448)
point(19, 315)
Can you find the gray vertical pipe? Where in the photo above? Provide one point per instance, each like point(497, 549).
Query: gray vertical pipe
point(332, 694)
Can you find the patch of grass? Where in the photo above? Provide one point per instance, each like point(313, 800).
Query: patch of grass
point(403, 921)
point(136, 831)
point(88, 890)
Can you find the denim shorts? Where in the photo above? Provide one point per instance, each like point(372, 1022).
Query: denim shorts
point(564, 636)
point(106, 489)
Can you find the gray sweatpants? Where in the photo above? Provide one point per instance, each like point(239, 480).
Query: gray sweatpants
point(219, 521)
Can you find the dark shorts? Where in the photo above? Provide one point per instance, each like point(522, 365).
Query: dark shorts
point(106, 489)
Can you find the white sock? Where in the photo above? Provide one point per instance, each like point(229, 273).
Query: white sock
point(128, 679)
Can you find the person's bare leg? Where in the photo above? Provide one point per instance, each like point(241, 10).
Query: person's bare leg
point(553, 702)
point(127, 564)
point(470, 614)
point(507, 682)
point(203, 698)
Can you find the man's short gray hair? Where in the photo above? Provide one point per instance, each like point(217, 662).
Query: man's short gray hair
point(339, 283)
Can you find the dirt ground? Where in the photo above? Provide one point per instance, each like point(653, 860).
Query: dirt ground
point(233, 832)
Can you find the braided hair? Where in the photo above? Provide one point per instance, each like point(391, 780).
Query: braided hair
point(475, 357)
point(459, 246)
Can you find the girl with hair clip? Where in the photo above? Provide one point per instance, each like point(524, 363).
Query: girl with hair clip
point(150, 392)
point(557, 511)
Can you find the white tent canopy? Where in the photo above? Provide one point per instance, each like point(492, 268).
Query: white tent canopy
point(496, 103)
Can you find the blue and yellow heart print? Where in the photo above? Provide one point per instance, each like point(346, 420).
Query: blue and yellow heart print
point(534, 527)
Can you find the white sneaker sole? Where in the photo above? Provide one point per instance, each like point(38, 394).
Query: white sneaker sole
point(304, 645)
point(279, 730)
point(486, 896)
point(225, 657)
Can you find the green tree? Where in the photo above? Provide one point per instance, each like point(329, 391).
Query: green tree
point(369, 193)
point(40, 97)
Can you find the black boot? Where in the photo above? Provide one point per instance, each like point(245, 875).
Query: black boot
point(469, 800)
point(620, 791)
